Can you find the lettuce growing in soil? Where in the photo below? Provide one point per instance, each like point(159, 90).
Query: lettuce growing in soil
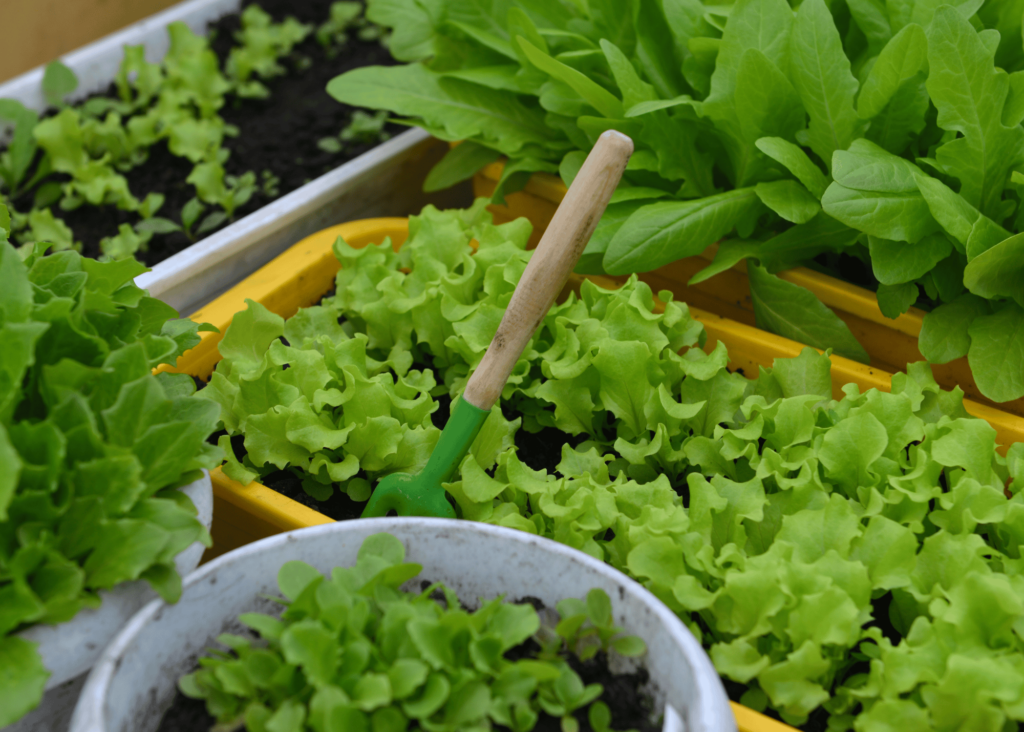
point(92, 447)
point(882, 139)
point(174, 150)
point(353, 651)
point(852, 563)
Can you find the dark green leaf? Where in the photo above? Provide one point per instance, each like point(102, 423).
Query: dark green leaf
point(793, 312)
point(660, 233)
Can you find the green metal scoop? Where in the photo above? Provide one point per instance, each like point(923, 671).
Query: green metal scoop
point(567, 235)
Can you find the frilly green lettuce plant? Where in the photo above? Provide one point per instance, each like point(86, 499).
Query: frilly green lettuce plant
point(92, 446)
point(352, 651)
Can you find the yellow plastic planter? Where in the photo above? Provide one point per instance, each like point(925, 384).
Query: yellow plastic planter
point(892, 344)
point(304, 273)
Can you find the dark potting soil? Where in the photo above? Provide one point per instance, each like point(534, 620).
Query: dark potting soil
point(623, 693)
point(278, 134)
point(186, 715)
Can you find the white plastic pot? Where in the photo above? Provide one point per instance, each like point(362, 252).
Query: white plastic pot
point(134, 681)
point(70, 649)
point(385, 181)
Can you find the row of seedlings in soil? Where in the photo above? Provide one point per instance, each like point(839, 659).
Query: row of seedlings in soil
point(881, 143)
point(92, 447)
point(354, 651)
point(846, 562)
point(146, 168)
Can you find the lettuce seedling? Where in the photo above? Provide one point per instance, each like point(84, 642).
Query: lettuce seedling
point(21, 150)
point(346, 16)
point(354, 651)
point(176, 101)
point(93, 446)
point(362, 129)
point(263, 43)
point(587, 627)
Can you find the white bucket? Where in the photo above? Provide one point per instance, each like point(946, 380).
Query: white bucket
point(134, 681)
point(70, 649)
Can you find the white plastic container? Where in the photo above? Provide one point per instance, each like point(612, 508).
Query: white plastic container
point(134, 681)
point(385, 181)
point(70, 649)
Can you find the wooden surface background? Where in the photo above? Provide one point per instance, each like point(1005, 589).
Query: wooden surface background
point(38, 31)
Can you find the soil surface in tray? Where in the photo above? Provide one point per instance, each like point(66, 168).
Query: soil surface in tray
point(278, 134)
point(629, 705)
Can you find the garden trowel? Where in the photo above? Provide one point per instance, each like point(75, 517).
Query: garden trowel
point(567, 235)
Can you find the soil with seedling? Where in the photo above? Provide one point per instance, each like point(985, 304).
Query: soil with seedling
point(277, 137)
point(629, 704)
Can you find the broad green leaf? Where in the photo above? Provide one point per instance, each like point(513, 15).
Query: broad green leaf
point(729, 253)
point(805, 241)
point(886, 215)
point(635, 91)
point(796, 162)
point(641, 108)
point(655, 50)
point(515, 174)
point(899, 62)
point(969, 93)
point(597, 96)
point(894, 300)
point(615, 216)
point(998, 272)
point(821, 75)
point(895, 262)
point(944, 332)
point(457, 108)
point(412, 27)
point(788, 199)
point(996, 354)
point(459, 164)
point(952, 212)
point(767, 103)
point(759, 25)
point(867, 167)
point(904, 117)
point(872, 17)
point(660, 233)
point(793, 312)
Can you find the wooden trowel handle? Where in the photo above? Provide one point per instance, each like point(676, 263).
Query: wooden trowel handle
point(552, 263)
